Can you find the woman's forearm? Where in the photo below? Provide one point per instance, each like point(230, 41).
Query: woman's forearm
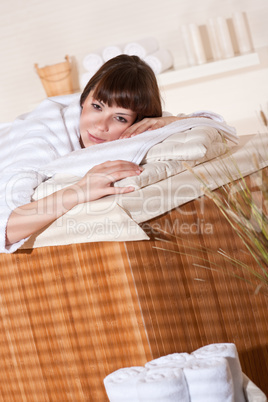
point(32, 217)
point(97, 183)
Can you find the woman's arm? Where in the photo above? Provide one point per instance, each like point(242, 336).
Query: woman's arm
point(149, 123)
point(152, 123)
point(97, 183)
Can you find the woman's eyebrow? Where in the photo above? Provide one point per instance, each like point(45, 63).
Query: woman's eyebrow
point(124, 114)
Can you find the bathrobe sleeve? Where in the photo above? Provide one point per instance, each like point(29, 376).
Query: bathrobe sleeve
point(20, 178)
point(48, 133)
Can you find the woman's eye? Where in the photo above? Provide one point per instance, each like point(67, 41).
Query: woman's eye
point(96, 106)
point(121, 119)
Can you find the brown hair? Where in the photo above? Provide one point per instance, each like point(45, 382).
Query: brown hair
point(127, 82)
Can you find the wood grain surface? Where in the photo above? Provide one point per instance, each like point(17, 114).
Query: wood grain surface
point(70, 315)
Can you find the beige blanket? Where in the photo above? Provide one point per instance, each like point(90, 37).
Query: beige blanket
point(116, 218)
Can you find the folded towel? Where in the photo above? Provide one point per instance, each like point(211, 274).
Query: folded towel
point(160, 61)
point(132, 149)
point(121, 384)
point(209, 380)
point(228, 351)
point(162, 384)
point(93, 61)
point(142, 47)
point(171, 360)
point(112, 51)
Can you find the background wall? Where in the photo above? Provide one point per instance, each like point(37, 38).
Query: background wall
point(44, 32)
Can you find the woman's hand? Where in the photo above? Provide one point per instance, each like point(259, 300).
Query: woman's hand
point(99, 181)
point(149, 123)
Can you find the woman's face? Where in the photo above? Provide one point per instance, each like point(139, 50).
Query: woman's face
point(101, 123)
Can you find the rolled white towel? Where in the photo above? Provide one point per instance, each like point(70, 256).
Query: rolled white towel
point(162, 384)
point(142, 47)
point(209, 380)
point(93, 61)
point(229, 351)
point(109, 52)
point(85, 77)
point(121, 385)
point(171, 360)
point(160, 61)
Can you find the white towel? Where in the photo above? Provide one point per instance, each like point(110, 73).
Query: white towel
point(171, 360)
point(162, 384)
point(228, 351)
point(93, 61)
point(209, 380)
point(132, 149)
point(121, 384)
point(109, 52)
point(160, 61)
point(142, 47)
point(85, 77)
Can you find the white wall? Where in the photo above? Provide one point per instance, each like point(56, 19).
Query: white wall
point(35, 31)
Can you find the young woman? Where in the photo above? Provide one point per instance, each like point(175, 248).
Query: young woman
point(121, 100)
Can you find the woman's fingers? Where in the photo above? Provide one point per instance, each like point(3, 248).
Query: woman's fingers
point(120, 190)
point(120, 174)
point(148, 124)
point(110, 167)
point(99, 181)
point(138, 128)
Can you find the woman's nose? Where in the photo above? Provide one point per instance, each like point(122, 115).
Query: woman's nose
point(102, 124)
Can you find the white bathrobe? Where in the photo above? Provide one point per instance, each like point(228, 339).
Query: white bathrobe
point(34, 142)
point(38, 144)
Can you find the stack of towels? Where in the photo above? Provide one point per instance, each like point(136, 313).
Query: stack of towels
point(209, 374)
point(159, 59)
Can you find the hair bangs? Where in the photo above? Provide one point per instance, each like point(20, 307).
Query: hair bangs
point(127, 82)
point(124, 90)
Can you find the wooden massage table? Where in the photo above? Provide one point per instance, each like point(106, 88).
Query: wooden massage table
point(70, 315)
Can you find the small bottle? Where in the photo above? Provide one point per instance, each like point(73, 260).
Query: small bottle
point(224, 38)
point(214, 39)
point(197, 44)
point(242, 33)
point(188, 45)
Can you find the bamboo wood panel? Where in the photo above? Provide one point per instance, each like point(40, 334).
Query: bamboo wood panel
point(70, 315)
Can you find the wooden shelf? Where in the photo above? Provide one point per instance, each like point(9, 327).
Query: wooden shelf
point(208, 69)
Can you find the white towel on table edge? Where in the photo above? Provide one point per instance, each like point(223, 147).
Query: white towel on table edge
point(209, 380)
point(178, 359)
point(120, 385)
point(163, 384)
point(228, 351)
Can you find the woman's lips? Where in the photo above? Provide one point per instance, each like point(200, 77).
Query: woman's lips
point(95, 139)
